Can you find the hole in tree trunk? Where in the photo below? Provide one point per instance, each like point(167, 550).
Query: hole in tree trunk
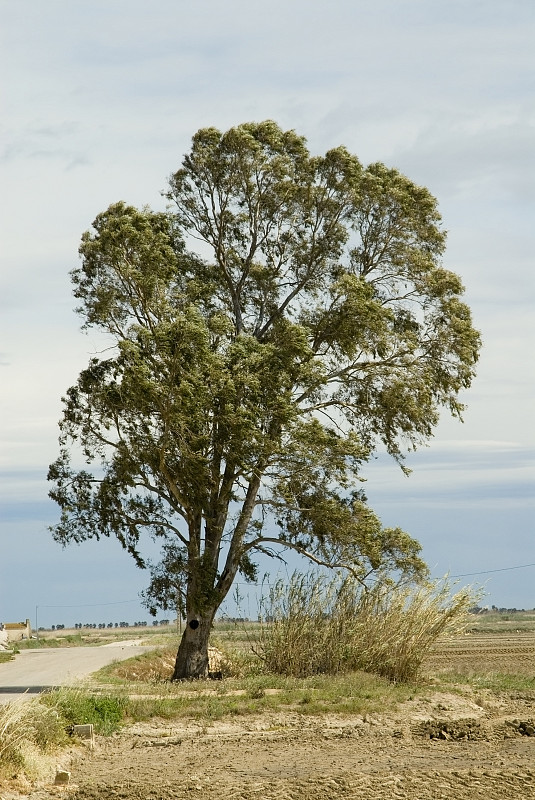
point(194, 624)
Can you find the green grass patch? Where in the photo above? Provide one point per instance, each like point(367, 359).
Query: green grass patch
point(354, 693)
point(6, 655)
point(70, 640)
point(105, 712)
point(502, 622)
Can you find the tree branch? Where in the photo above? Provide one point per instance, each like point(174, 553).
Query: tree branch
point(307, 554)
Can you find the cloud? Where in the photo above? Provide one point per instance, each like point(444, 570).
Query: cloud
point(78, 161)
point(37, 140)
point(457, 474)
point(45, 144)
point(473, 156)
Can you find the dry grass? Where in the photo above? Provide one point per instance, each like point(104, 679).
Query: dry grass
point(29, 733)
point(319, 626)
point(396, 628)
point(6, 655)
point(154, 666)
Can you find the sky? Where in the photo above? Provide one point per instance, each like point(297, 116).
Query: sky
point(99, 101)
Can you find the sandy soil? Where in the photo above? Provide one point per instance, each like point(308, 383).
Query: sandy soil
point(477, 750)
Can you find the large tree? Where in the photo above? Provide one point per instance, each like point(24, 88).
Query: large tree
point(247, 383)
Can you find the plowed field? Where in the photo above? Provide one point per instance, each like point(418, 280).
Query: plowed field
point(483, 653)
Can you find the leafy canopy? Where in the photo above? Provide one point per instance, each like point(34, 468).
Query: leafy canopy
point(250, 380)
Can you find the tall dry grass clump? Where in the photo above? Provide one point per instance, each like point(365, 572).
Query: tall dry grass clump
point(28, 732)
point(316, 625)
point(397, 627)
point(304, 629)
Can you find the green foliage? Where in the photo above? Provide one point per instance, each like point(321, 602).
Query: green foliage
point(78, 707)
point(319, 625)
point(505, 623)
point(249, 386)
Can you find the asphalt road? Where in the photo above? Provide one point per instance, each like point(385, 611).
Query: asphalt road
point(33, 671)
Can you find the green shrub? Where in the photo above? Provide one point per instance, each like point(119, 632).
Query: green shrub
point(78, 707)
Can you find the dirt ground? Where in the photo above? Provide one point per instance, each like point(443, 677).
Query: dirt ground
point(476, 754)
point(454, 746)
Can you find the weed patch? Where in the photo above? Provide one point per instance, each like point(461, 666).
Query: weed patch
point(496, 682)
point(78, 707)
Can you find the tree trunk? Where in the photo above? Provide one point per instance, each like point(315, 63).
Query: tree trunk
point(192, 657)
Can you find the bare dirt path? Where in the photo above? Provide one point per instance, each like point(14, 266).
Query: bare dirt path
point(32, 671)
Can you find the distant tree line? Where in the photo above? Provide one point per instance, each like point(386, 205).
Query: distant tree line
point(496, 610)
point(102, 625)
